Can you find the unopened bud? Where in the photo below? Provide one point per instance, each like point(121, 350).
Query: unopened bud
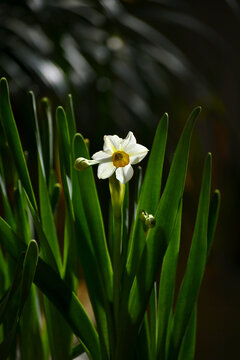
point(148, 220)
point(82, 163)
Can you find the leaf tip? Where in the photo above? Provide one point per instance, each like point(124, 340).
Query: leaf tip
point(4, 83)
point(217, 195)
point(60, 113)
point(45, 101)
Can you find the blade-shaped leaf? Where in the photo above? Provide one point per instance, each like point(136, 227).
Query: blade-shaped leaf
point(148, 199)
point(8, 214)
point(195, 267)
point(65, 155)
point(31, 342)
point(13, 139)
point(159, 237)
point(24, 277)
point(10, 240)
point(69, 306)
point(57, 291)
point(93, 215)
point(166, 214)
point(167, 285)
point(187, 350)
point(89, 261)
point(213, 217)
point(45, 248)
point(7, 298)
point(70, 117)
point(29, 268)
point(47, 219)
point(47, 136)
point(20, 205)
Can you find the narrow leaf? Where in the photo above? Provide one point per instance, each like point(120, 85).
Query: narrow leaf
point(13, 139)
point(149, 195)
point(195, 267)
point(47, 219)
point(167, 285)
point(50, 283)
point(159, 236)
point(94, 216)
point(213, 217)
point(166, 214)
point(187, 350)
point(29, 268)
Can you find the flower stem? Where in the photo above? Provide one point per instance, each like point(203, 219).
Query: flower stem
point(117, 191)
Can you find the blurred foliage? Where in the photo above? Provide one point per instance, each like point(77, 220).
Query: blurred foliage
point(124, 61)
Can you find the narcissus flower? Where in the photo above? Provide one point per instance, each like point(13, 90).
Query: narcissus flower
point(118, 155)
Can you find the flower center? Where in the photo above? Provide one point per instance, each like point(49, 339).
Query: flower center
point(120, 159)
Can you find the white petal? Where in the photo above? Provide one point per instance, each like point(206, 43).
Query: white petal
point(112, 143)
point(136, 153)
point(101, 156)
point(124, 174)
point(105, 170)
point(128, 141)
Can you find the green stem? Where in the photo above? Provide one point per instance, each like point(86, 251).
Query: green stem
point(117, 191)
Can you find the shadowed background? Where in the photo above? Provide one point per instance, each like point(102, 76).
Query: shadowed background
point(126, 63)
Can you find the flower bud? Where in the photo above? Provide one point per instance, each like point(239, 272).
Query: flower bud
point(82, 163)
point(148, 220)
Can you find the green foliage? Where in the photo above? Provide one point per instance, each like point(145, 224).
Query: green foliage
point(130, 275)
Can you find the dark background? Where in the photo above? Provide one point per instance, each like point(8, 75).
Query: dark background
point(126, 63)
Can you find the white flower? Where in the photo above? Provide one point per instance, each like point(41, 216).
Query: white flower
point(118, 156)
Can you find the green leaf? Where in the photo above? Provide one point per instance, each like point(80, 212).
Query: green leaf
point(50, 283)
point(195, 267)
point(59, 333)
point(143, 347)
point(4, 276)
point(88, 261)
point(5, 304)
point(69, 306)
point(165, 216)
point(153, 321)
point(187, 350)
point(65, 156)
point(47, 219)
point(6, 205)
point(70, 117)
point(93, 216)
point(55, 196)
point(36, 130)
point(29, 268)
point(13, 139)
point(167, 285)
point(66, 164)
point(9, 240)
point(213, 217)
point(78, 350)
point(24, 275)
point(159, 236)
point(31, 341)
point(21, 209)
point(7, 344)
point(47, 136)
point(45, 248)
point(149, 197)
